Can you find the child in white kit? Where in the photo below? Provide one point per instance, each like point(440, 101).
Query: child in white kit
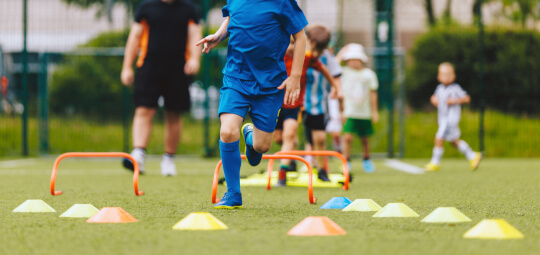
point(448, 98)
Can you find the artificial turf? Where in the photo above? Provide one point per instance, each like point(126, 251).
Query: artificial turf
point(501, 188)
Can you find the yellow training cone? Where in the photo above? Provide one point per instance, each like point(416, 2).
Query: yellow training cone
point(363, 205)
point(493, 229)
point(396, 210)
point(199, 221)
point(34, 205)
point(446, 215)
point(80, 211)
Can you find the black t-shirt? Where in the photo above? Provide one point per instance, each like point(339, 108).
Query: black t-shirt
point(165, 29)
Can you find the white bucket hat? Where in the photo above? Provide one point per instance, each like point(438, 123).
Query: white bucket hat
point(355, 51)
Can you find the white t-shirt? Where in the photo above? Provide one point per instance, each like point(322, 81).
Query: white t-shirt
point(357, 86)
point(449, 114)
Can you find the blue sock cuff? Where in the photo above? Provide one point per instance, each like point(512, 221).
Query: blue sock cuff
point(229, 146)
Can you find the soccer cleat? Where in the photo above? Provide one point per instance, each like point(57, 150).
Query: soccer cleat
point(292, 166)
point(368, 166)
point(475, 162)
point(430, 167)
point(323, 175)
point(168, 168)
point(139, 157)
point(253, 157)
point(231, 200)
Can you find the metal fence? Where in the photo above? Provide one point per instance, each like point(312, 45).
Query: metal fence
point(39, 115)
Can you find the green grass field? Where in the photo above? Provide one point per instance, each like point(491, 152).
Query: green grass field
point(501, 188)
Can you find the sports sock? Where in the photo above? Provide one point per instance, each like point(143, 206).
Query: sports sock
point(283, 172)
point(437, 154)
point(230, 156)
point(249, 140)
point(141, 151)
point(464, 148)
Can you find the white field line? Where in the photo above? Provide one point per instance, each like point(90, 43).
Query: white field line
point(16, 163)
point(75, 172)
point(404, 167)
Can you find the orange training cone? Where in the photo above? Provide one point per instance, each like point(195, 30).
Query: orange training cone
point(112, 215)
point(316, 226)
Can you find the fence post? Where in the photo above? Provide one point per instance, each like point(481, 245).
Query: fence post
point(481, 132)
point(24, 96)
point(384, 63)
point(43, 119)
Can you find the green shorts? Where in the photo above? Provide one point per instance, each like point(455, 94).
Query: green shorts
point(360, 127)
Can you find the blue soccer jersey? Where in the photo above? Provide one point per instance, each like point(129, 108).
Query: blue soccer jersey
point(317, 87)
point(259, 33)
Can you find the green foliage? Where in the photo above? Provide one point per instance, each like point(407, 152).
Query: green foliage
point(511, 66)
point(90, 85)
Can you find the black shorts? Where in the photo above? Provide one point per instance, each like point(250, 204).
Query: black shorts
point(163, 79)
point(315, 122)
point(285, 114)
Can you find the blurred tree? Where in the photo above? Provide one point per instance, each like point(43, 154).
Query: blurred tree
point(105, 6)
point(428, 4)
point(518, 11)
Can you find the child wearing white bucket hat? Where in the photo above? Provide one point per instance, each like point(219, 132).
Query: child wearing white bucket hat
point(359, 86)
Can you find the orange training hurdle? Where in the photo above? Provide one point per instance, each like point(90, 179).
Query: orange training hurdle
point(312, 199)
point(91, 155)
point(313, 153)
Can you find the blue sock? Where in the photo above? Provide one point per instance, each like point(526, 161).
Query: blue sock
point(230, 156)
point(249, 140)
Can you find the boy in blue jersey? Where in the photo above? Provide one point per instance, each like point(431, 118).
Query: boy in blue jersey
point(317, 90)
point(255, 79)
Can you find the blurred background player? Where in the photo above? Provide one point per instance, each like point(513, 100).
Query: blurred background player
point(287, 125)
point(359, 101)
point(255, 80)
point(317, 91)
point(162, 31)
point(448, 98)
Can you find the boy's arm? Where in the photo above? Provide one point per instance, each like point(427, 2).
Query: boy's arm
point(292, 83)
point(193, 63)
point(336, 88)
point(132, 46)
point(212, 41)
point(434, 100)
point(463, 100)
point(374, 106)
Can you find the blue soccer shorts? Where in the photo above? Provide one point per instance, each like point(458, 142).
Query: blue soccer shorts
point(242, 96)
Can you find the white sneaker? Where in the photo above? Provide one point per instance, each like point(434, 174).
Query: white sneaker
point(168, 168)
point(138, 155)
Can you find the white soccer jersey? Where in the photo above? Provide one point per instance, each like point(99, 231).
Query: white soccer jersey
point(317, 87)
point(357, 86)
point(449, 114)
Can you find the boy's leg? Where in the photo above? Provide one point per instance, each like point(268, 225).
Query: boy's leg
point(230, 156)
point(438, 151)
point(367, 164)
point(142, 128)
point(336, 141)
point(290, 128)
point(473, 157)
point(319, 144)
point(173, 129)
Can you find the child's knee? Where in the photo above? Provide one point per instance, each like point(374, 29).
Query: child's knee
point(262, 147)
point(348, 138)
point(229, 134)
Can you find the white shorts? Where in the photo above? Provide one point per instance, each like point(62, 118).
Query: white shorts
point(448, 132)
point(334, 125)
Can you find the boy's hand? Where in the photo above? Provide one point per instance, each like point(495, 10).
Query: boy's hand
point(127, 76)
point(375, 116)
point(292, 89)
point(191, 67)
point(209, 42)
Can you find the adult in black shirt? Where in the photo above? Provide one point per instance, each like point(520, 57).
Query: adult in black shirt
point(165, 32)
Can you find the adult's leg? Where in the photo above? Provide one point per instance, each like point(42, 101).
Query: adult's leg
point(142, 126)
point(173, 129)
